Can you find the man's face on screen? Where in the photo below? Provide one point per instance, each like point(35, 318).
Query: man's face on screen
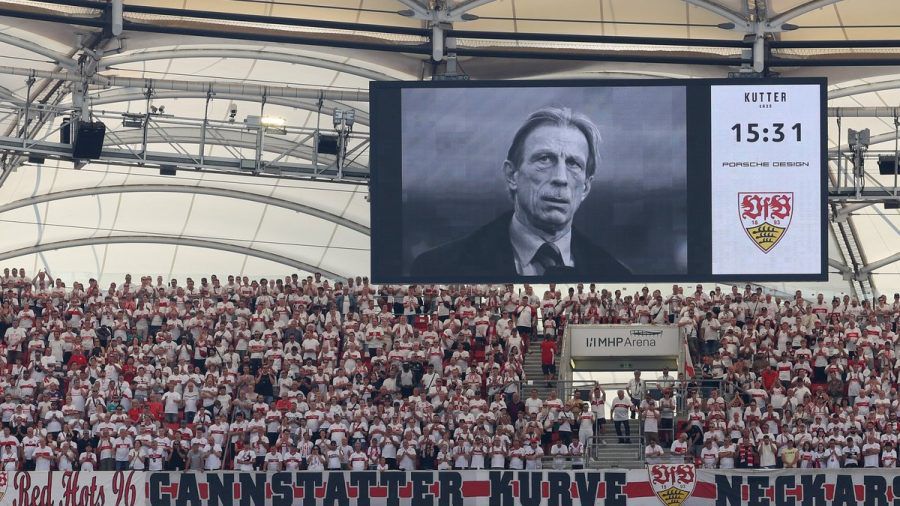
point(552, 181)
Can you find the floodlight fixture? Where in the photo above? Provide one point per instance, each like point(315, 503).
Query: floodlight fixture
point(858, 139)
point(271, 124)
point(131, 120)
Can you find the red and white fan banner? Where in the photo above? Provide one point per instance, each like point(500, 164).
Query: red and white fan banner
point(73, 488)
point(657, 484)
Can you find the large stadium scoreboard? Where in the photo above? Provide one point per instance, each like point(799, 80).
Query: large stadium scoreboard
point(664, 180)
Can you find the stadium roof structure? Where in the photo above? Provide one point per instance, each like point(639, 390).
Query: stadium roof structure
point(178, 84)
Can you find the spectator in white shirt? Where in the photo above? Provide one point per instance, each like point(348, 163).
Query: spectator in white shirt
point(621, 408)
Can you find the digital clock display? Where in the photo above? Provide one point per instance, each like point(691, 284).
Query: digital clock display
point(754, 132)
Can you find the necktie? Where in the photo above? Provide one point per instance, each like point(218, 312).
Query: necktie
point(548, 257)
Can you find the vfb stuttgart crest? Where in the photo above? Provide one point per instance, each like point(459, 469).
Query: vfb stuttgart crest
point(766, 217)
point(673, 483)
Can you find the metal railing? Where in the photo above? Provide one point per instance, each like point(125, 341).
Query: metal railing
point(492, 390)
point(668, 458)
point(597, 444)
point(683, 390)
point(561, 463)
point(566, 388)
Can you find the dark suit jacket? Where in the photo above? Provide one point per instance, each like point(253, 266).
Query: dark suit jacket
point(488, 253)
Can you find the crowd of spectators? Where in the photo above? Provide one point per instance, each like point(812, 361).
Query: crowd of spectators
point(286, 374)
point(791, 383)
point(307, 373)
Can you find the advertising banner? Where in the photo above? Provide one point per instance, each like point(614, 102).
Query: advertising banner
point(623, 341)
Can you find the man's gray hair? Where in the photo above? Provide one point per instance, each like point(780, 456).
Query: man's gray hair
point(563, 117)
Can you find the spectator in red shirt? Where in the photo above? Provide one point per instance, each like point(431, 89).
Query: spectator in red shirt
point(156, 407)
point(129, 371)
point(77, 359)
point(769, 376)
point(548, 359)
point(137, 409)
point(284, 404)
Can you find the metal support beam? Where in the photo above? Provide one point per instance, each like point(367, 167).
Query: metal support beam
point(849, 194)
point(467, 6)
point(191, 190)
point(759, 49)
point(217, 164)
point(880, 263)
point(197, 86)
point(840, 266)
point(847, 239)
point(171, 240)
point(58, 58)
point(873, 140)
point(248, 54)
point(54, 92)
point(127, 95)
point(741, 23)
point(167, 134)
point(437, 42)
point(7, 95)
point(441, 12)
point(844, 212)
point(864, 88)
point(865, 279)
point(418, 9)
point(863, 112)
point(784, 17)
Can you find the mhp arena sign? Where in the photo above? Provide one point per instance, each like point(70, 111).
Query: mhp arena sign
point(590, 341)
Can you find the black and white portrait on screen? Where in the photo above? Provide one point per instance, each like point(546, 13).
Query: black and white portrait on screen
point(544, 183)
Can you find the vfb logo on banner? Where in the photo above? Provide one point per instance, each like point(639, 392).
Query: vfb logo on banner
point(672, 483)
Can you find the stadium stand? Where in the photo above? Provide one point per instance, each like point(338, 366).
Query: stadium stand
point(306, 373)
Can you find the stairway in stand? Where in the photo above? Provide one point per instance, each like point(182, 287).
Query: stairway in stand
point(534, 377)
point(616, 455)
point(611, 455)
